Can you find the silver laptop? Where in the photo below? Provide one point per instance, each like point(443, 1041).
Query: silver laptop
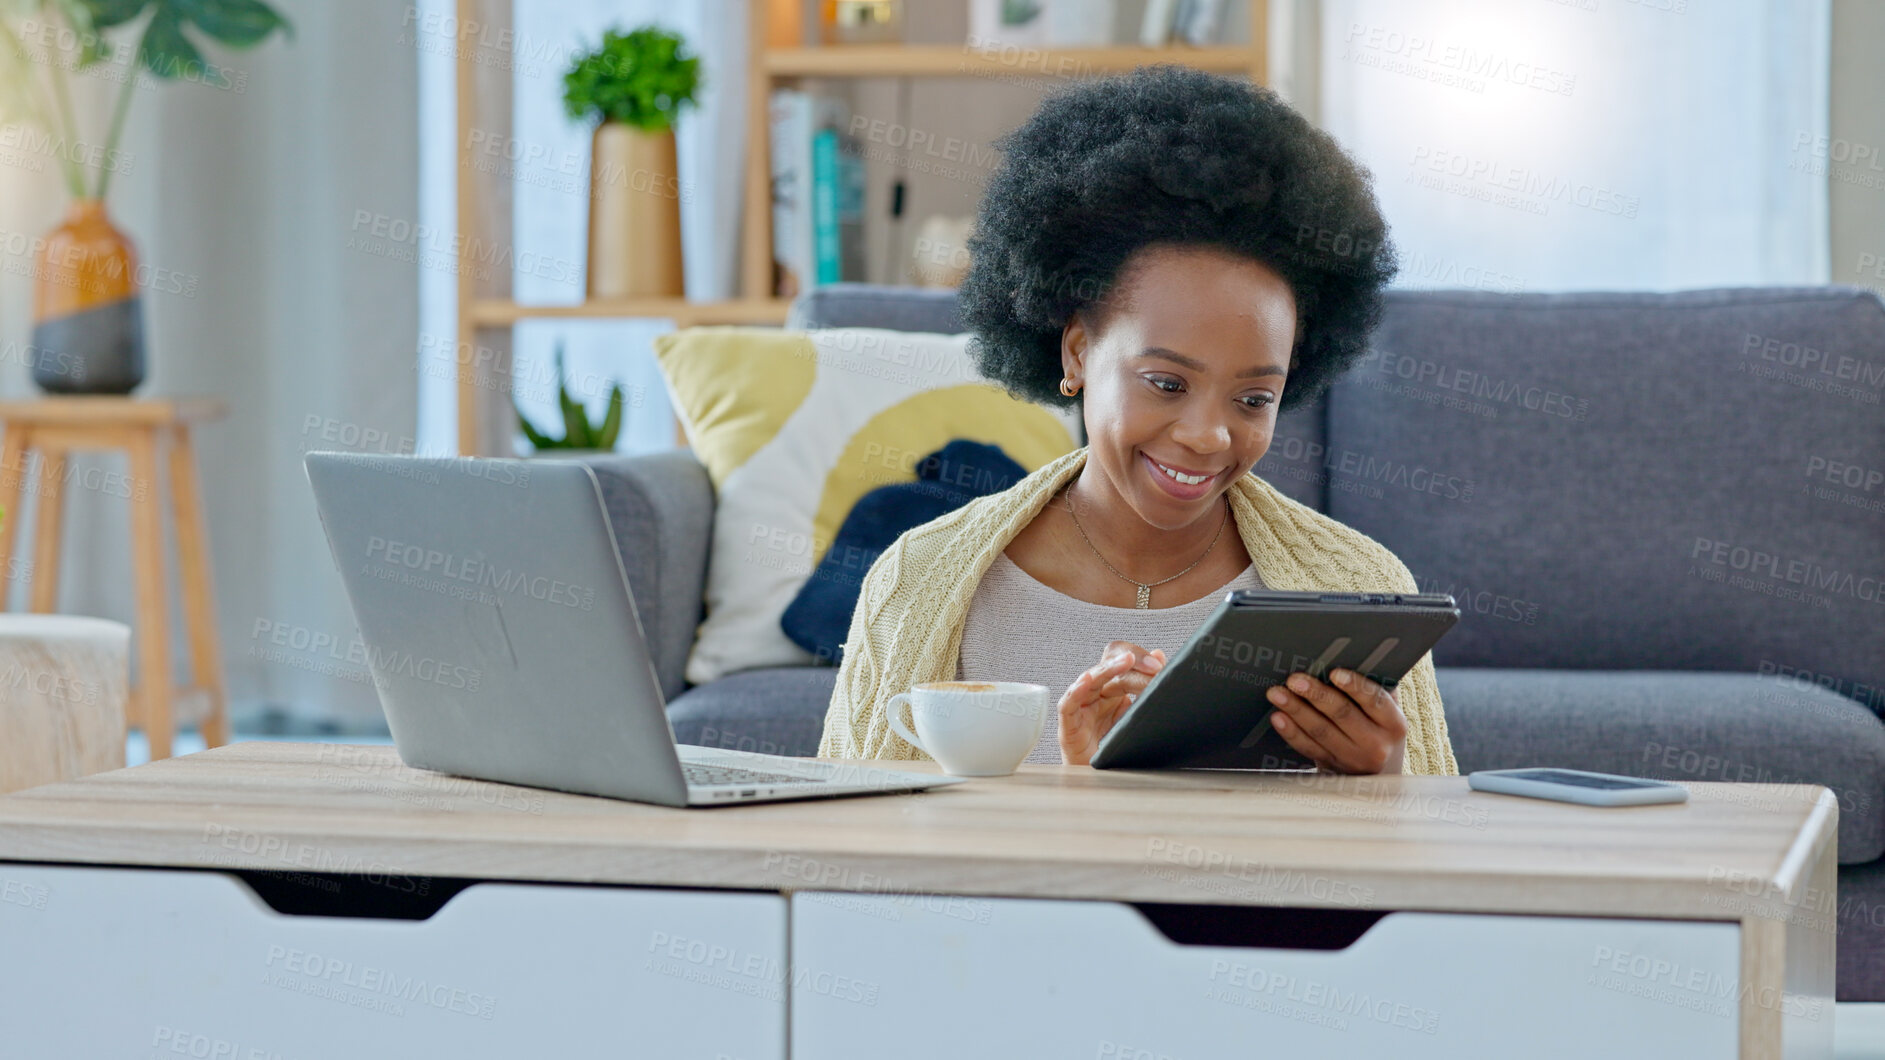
point(503, 638)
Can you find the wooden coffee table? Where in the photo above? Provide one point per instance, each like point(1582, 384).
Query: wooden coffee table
point(317, 899)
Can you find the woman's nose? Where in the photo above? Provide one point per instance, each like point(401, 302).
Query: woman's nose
point(1202, 434)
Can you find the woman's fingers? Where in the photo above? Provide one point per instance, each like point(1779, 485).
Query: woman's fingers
point(1364, 729)
point(1114, 662)
point(1112, 716)
point(1102, 692)
point(1303, 744)
point(1093, 679)
point(1086, 706)
point(1099, 682)
point(1338, 708)
point(1376, 701)
point(1142, 660)
point(1311, 720)
point(1128, 683)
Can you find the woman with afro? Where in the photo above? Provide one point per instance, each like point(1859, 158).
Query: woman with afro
point(1181, 256)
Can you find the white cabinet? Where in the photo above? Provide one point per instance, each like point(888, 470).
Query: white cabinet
point(157, 963)
point(921, 977)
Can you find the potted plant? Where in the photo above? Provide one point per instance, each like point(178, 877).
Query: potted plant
point(632, 87)
point(88, 330)
point(580, 437)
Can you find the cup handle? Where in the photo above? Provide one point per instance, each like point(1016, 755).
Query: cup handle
point(896, 722)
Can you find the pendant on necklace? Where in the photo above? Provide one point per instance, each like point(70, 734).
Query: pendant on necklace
point(1145, 596)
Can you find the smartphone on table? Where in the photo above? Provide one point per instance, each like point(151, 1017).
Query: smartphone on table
point(1576, 785)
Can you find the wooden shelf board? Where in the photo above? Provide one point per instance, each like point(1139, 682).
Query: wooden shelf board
point(948, 60)
point(111, 410)
point(492, 312)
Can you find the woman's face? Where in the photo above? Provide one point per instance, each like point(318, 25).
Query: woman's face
point(1183, 370)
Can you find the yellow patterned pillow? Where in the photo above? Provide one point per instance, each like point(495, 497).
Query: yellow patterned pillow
point(793, 428)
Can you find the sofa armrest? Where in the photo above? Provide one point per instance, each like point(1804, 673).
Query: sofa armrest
point(661, 505)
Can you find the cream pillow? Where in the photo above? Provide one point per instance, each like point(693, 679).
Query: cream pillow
point(793, 428)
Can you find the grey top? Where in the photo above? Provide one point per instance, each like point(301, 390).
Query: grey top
point(1018, 629)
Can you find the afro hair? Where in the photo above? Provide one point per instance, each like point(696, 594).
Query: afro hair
point(1170, 156)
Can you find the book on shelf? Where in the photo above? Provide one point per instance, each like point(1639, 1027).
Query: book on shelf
point(1155, 29)
point(817, 194)
point(790, 124)
point(837, 207)
point(1193, 22)
point(827, 262)
point(1197, 22)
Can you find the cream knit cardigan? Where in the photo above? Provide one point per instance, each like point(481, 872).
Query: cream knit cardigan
point(907, 626)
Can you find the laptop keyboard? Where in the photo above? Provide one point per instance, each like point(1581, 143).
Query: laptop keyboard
point(699, 774)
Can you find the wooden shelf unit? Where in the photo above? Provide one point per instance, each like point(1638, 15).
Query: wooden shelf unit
point(497, 312)
point(484, 302)
point(966, 60)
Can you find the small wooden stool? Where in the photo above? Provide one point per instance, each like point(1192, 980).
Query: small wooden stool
point(55, 427)
point(63, 686)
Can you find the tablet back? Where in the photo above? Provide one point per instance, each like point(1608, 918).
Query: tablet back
point(1208, 710)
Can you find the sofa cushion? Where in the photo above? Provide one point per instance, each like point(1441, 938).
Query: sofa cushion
point(660, 506)
point(795, 427)
point(1689, 481)
point(866, 305)
point(1676, 726)
point(819, 617)
point(779, 710)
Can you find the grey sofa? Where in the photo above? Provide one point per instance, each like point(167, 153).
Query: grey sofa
point(1647, 505)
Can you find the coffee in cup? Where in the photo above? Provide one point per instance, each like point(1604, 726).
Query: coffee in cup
point(973, 728)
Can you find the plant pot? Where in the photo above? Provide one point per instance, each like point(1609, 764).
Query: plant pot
point(634, 214)
point(88, 324)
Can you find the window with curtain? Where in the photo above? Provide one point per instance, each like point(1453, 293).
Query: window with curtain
point(1551, 145)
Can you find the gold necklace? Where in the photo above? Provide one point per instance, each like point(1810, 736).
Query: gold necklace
point(1144, 600)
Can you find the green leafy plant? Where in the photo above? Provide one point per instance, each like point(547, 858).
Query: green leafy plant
point(644, 77)
point(164, 51)
point(578, 432)
point(1018, 12)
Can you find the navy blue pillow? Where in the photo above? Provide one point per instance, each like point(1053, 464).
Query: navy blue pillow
point(820, 615)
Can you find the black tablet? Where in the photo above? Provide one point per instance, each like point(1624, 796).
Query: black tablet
point(1207, 708)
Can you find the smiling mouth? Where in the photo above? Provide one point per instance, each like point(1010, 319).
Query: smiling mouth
point(1181, 477)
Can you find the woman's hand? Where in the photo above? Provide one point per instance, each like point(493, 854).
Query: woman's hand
point(1351, 726)
point(1100, 695)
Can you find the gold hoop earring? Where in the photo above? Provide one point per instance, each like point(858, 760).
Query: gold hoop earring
point(1068, 388)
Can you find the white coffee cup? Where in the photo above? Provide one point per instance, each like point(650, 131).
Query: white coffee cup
point(973, 728)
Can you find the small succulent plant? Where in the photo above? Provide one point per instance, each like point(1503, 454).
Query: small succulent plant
point(578, 432)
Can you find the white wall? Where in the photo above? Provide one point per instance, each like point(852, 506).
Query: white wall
point(251, 195)
point(1856, 187)
point(337, 142)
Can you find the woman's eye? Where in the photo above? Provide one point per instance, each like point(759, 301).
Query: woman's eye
point(1165, 383)
point(1257, 401)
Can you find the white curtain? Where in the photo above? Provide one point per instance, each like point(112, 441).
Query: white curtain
point(549, 224)
point(1588, 144)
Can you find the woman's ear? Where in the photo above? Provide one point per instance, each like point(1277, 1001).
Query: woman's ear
point(1074, 340)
